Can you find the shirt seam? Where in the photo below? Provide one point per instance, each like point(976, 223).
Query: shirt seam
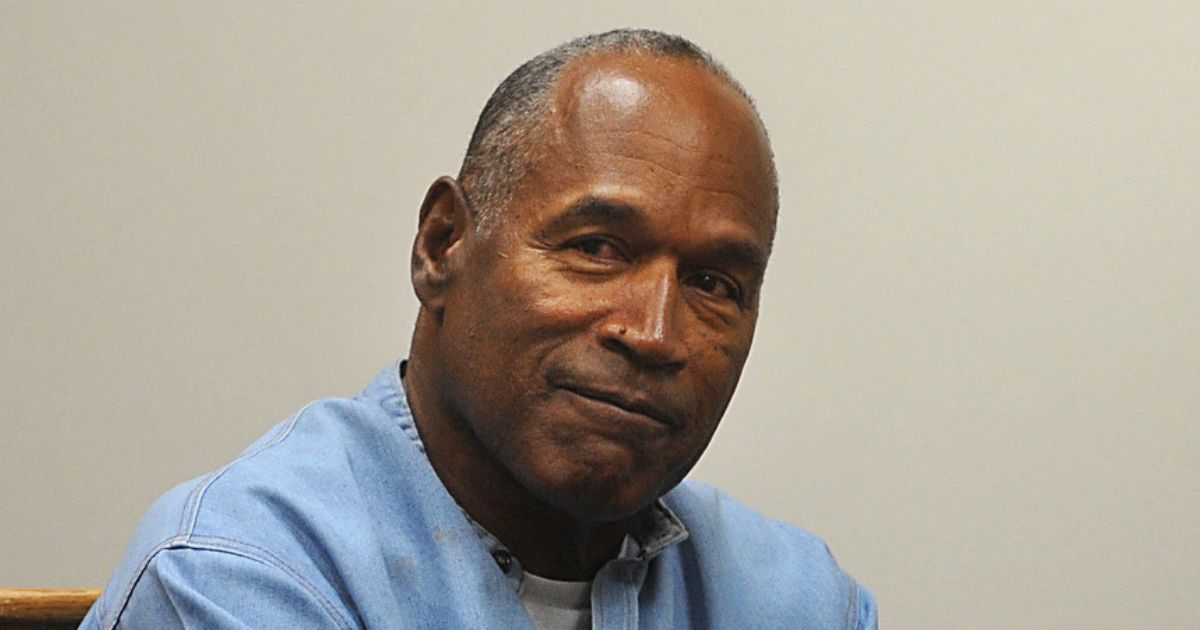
point(852, 604)
point(236, 547)
point(127, 592)
point(191, 513)
point(218, 544)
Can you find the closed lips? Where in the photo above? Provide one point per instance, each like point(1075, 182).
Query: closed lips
point(633, 403)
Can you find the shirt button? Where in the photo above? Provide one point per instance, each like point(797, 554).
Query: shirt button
point(503, 559)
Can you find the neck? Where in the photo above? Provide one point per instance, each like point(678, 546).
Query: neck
point(547, 540)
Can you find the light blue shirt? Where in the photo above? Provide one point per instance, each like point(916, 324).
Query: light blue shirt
point(336, 519)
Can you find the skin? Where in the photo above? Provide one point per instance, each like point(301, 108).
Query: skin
point(571, 362)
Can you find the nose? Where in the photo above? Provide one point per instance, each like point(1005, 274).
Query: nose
point(642, 324)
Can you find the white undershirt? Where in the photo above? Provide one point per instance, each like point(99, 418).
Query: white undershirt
point(556, 605)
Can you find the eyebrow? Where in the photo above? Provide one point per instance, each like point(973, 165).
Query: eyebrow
point(595, 208)
point(599, 208)
point(742, 253)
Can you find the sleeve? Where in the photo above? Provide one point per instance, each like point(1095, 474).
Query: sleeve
point(868, 618)
point(205, 588)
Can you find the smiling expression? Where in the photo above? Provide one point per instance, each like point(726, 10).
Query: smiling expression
point(591, 338)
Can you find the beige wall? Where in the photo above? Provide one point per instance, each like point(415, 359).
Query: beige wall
point(978, 369)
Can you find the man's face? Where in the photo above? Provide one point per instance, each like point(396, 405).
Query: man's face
point(595, 332)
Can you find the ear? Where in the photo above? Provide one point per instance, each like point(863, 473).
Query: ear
point(446, 222)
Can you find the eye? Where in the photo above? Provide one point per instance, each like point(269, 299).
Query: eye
point(717, 286)
point(597, 247)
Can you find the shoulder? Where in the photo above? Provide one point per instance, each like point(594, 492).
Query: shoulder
point(211, 584)
point(252, 517)
point(289, 474)
point(773, 568)
point(717, 521)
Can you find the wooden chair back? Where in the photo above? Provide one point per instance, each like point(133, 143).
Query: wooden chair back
point(44, 609)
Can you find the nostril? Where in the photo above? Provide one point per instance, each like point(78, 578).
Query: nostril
point(616, 345)
point(646, 350)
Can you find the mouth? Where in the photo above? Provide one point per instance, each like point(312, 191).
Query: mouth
point(635, 403)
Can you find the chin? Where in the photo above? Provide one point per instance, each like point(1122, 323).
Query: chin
point(594, 493)
point(600, 509)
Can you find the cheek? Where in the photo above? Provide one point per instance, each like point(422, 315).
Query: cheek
point(509, 318)
point(547, 304)
point(717, 359)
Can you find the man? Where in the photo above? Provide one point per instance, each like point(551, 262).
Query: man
point(589, 291)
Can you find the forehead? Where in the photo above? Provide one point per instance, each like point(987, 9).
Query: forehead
point(660, 133)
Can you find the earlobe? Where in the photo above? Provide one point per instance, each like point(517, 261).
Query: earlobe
point(445, 222)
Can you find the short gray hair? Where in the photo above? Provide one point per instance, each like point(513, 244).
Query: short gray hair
point(510, 133)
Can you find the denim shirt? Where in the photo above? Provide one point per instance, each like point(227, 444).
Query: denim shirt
point(335, 519)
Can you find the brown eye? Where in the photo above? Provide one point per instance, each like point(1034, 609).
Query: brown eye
point(597, 247)
point(717, 286)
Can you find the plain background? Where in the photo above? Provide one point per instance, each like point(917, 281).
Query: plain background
point(977, 373)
